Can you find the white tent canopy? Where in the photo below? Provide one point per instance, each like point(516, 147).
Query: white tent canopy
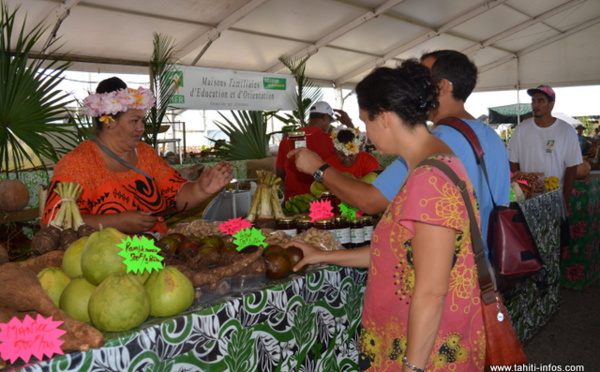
point(515, 43)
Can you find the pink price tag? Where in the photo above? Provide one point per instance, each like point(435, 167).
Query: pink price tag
point(234, 225)
point(31, 337)
point(320, 210)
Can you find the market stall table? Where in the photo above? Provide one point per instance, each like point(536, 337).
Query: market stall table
point(580, 261)
point(534, 300)
point(307, 320)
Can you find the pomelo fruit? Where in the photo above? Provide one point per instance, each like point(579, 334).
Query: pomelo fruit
point(170, 292)
point(316, 188)
point(75, 298)
point(71, 263)
point(100, 256)
point(119, 303)
point(53, 281)
point(369, 177)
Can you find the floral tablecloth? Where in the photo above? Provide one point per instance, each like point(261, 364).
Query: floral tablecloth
point(308, 323)
point(580, 261)
point(533, 301)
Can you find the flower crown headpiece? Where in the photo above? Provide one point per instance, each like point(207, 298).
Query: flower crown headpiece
point(104, 105)
point(349, 148)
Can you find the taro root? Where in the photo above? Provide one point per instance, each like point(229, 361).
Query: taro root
point(45, 240)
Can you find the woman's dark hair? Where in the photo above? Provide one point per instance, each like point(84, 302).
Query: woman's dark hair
point(406, 90)
point(345, 136)
point(456, 68)
point(106, 86)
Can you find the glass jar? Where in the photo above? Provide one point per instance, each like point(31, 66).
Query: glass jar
point(303, 224)
point(325, 224)
point(342, 231)
point(288, 226)
point(335, 202)
point(357, 233)
point(297, 139)
point(368, 228)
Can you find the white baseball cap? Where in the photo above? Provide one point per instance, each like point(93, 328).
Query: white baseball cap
point(322, 107)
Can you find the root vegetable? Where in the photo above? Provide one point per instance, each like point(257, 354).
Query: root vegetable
point(20, 290)
point(67, 237)
point(85, 230)
point(213, 275)
point(45, 240)
point(38, 263)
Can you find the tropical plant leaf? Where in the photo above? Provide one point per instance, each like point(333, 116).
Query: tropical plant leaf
point(161, 68)
point(247, 135)
point(307, 90)
point(31, 106)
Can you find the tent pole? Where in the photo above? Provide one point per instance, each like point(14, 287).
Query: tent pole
point(518, 89)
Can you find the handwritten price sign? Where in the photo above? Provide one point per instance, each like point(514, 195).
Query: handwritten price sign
point(140, 254)
point(320, 210)
point(234, 225)
point(250, 236)
point(31, 337)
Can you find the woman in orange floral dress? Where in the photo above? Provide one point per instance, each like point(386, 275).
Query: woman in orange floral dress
point(422, 309)
point(126, 185)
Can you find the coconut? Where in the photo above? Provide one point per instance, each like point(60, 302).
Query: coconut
point(14, 195)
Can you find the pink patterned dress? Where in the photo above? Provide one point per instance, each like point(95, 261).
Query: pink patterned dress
point(427, 196)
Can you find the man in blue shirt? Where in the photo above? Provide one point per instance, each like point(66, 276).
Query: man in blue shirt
point(456, 76)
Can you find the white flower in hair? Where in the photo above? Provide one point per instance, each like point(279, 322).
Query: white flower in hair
point(348, 148)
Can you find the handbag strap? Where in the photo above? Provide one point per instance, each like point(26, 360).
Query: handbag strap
point(117, 158)
point(487, 281)
point(469, 134)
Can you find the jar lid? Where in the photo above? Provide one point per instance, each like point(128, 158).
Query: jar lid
point(299, 133)
point(324, 221)
point(366, 218)
point(286, 219)
point(340, 218)
point(326, 193)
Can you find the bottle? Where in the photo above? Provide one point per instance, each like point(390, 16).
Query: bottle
point(288, 226)
point(357, 234)
point(297, 139)
point(342, 231)
point(368, 228)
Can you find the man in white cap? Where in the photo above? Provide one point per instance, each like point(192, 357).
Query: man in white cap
point(544, 143)
point(317, 140)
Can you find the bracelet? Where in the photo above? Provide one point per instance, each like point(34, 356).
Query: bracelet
point(410, 366)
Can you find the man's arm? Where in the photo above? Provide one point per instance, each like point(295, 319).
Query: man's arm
point(514, 167)
point(569, 182)
point(351, 191)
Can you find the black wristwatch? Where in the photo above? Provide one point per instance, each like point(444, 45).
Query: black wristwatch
point(318, 175)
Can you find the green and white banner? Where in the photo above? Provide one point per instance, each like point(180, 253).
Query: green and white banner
point(202, 88)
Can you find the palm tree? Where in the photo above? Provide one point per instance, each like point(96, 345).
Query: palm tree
point(307, 92)
point(162, 85)
point(247, 135)
point(31, 107)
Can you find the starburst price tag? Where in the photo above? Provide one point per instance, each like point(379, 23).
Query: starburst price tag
point(349, 212)
point(249, 236)
point(320, 210)
point(234, 225)
point(140, 254)
point(31, 337)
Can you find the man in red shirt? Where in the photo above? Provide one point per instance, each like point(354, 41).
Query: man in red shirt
point(349, 156)
point(317, 140)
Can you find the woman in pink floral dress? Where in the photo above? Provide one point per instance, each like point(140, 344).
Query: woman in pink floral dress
point(422, 309)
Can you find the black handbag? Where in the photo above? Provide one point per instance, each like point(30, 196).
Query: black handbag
point(512, 248)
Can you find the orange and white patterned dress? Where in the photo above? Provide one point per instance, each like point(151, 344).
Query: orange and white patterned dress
point(427, 196)
point(105, 191)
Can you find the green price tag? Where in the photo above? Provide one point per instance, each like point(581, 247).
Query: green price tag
point(249, 236)
point(349, 212)
point(140, 254)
